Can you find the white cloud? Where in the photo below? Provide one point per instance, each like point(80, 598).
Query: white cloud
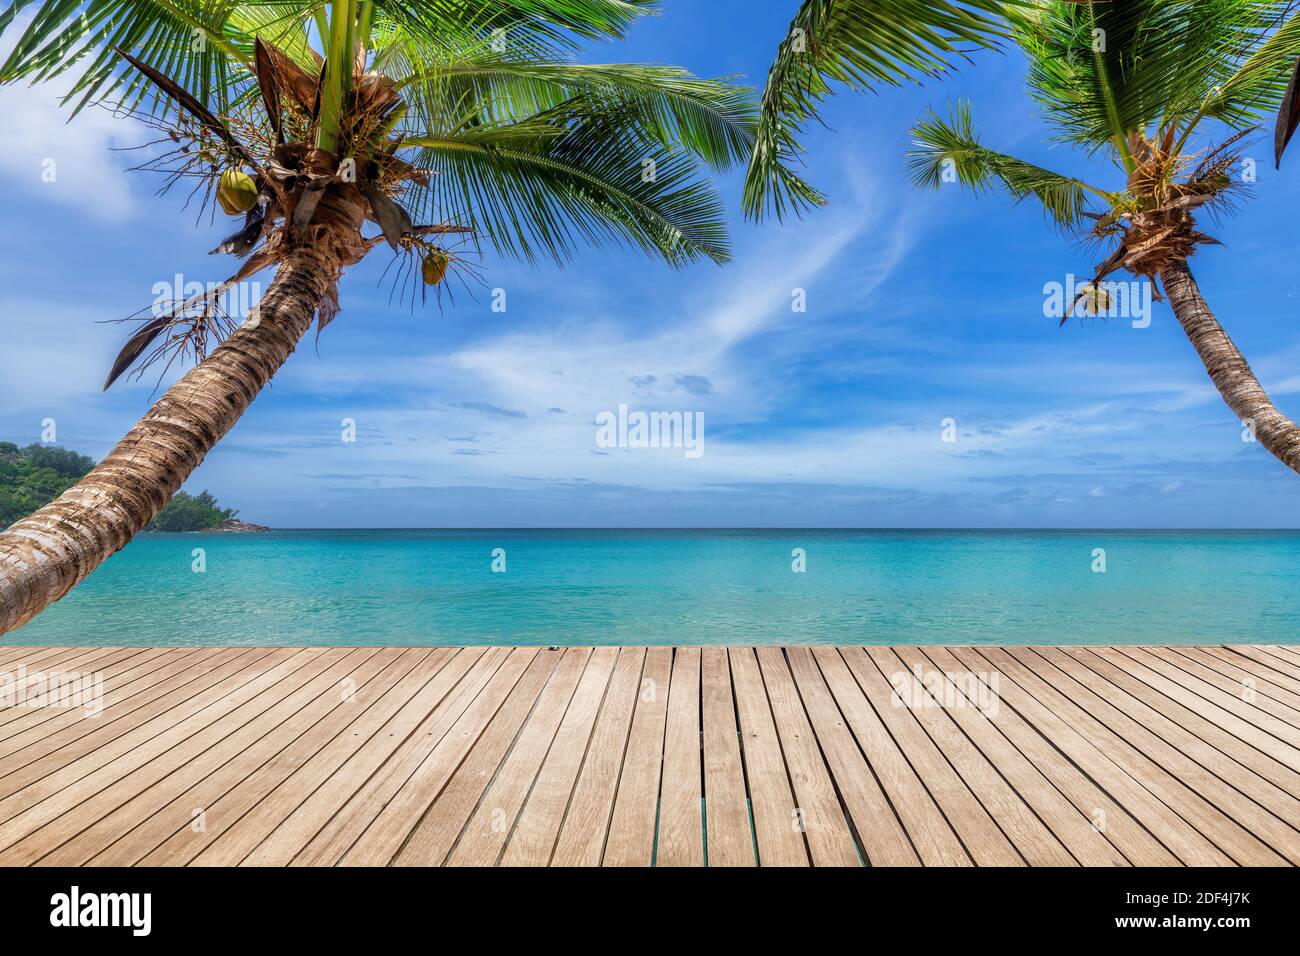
point(42, 144)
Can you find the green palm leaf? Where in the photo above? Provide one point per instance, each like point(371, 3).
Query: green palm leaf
point(713, 119)
point(1255, 88)
point(1103, 70)
point(187, 40)
point(948, 150)
point(202, 44)
point(862, 44)
point(540, 185)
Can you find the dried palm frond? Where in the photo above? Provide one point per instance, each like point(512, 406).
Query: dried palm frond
point(191, 325)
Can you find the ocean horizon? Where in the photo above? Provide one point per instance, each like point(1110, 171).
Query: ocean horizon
point(708, 586)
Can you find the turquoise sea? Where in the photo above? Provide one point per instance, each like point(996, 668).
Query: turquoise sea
point(686, 587)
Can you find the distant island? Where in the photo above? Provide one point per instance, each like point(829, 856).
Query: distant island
point(33, 476)
point(234, 524)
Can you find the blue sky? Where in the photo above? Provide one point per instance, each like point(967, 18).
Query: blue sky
point(921, 307)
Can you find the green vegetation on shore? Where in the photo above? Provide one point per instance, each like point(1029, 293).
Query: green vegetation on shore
point(33, 476)
point(191, 513)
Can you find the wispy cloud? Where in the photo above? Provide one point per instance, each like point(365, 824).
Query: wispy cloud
point(917, 309)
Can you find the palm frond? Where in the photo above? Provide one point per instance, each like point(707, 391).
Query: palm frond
point(545, 29)
point(188, 40)
point(862, 44)
point(1102, 71)
point(947, 150)
point(712, 119)
point(206, 46)
point(537, 187)
point(1256, 86)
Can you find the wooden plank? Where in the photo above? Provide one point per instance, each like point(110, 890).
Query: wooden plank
point(85, 748)
point(1260, 655)
point(1035, 842)
point(949, 755)
point(830, 842)
point(1070, 730)
point(384, 837)
point(1289, 652)
point(155, 754)
point(1103, 812)
point(967, 697)
point(26, 689)
point(730, 841)
point(343, 793)
point(508, 753)
point(1284, 655)
point(64, 659)
point(149, 668)
point(485, 834)
point(982, 838)
point(108, 661)
point(12, 658)
point(1278, 686)
point(1222, 780)
point(223, 795)
point(631, 838)
point(35, 804)
point(533, 837)
point(1233, 688)
point(681, 817)
point(276, 813)
point(24, 741)
point(1173, 778)
point(581, 841)
point(777, 826)
point(876, 826)
point(1283, 779)
point(928, 831)
point(1246, 730)
point(288, 707)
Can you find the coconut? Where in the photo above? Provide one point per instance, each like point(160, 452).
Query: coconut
point(434, 268)
point(236, 192)
point(1096, 299)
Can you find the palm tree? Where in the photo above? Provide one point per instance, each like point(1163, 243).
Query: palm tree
point(1135, 80)
point(429, 118)
point(1145, 84)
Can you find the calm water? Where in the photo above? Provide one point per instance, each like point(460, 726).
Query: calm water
point(701, 587)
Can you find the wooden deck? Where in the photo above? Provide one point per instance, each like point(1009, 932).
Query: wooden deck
point(829, 756)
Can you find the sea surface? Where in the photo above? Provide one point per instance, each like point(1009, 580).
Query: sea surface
point(686, 587)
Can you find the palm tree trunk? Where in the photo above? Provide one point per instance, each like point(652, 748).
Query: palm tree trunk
point(44, 555)
point(1228, 369)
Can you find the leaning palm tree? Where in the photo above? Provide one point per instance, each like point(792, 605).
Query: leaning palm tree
point(1167, 91)
point(428, 119)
